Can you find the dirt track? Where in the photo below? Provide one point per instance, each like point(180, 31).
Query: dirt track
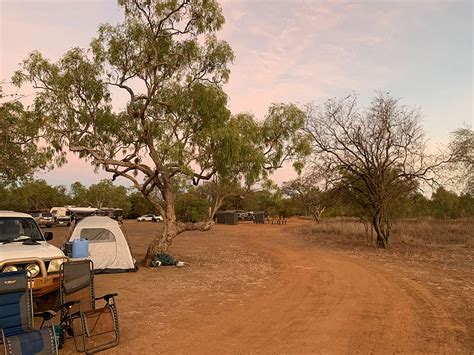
point(264, 289)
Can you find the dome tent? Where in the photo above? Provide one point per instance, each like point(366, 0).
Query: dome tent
point(108, 247)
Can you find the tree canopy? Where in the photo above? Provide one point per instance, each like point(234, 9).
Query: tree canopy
point(20, 133)
point(462, 150)
point(378, 155)
point(165, 56)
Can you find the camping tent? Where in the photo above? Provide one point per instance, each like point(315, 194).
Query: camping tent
point(108, 248)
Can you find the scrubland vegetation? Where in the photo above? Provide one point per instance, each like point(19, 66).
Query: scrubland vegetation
point(184, 152)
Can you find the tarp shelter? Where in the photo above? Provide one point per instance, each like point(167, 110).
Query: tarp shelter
point(108, 247)
point(259, 217)
point(227, 217)
point(220, 217)
point(231, 217)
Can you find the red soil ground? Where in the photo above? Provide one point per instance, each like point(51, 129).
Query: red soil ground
point(270, 289)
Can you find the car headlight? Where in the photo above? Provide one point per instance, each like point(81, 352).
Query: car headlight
point(32, 269)
point(54, 265)
point(10, 268)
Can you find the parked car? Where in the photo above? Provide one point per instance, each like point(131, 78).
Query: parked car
point(150, 217)
point(44, 219)
point(24, 246)
point(245, 216)
point(61, 215)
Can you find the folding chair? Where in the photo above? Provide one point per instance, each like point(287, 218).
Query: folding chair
point(93, 329)
point(16, 318)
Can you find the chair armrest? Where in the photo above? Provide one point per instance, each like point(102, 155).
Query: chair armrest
point(107, 297)
point(68, 305)
point(46, 315)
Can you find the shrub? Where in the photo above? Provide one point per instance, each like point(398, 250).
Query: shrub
point(191, 208)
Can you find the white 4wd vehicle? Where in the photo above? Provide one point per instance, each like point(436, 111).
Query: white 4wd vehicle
point(23, 246)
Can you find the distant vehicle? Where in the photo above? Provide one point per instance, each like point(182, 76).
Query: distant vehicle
point(23, 246)
point(43, 219)
point(61, 215)
point(78, 213)
point(150, 217)
point(245, 216)
point(114, 213)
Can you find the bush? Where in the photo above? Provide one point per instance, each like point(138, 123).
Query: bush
point(191, 208)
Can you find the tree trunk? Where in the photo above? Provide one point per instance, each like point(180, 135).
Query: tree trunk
point(316, 217)
point(317, 212)
point(171, 229)
point(161, 242)
point(218, 202)
point(382, 237)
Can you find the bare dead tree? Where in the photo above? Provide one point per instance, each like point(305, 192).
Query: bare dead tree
point(378, 154)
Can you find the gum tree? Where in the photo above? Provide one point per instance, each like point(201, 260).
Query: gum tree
point(305, 190)
point(166, 59)
point(20, 132)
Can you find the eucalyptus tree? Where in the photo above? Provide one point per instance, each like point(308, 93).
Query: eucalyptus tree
point(20, 132)
point(306, 191)
point(101, 195)
point(378, 154)
point(37, 195)
point(166, 58)
point(259, 148)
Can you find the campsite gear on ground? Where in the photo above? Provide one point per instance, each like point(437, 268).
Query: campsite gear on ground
point(166, 260)
point(182, 263)
point(80, 248)
point(16, 318)
point(163, 259)
point(155, 263)
point(93, 329)
point(108, 247)
point(58, 332)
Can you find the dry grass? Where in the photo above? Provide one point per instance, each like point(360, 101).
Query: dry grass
point(352, 232)
point(435, 231)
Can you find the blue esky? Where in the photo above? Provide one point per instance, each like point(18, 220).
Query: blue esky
point(292, 51)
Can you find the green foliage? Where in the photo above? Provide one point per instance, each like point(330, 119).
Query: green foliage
point(416, 205)
point(166, 57)
point(138, 205)
point(462, 150)
point(191, 208)
point(33, 195)
point(445, 204)
point(20, 152)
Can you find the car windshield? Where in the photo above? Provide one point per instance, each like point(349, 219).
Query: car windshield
point(18, 228)
point(47, 214)
point(34, 214)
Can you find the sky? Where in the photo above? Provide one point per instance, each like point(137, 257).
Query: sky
point(291, 51)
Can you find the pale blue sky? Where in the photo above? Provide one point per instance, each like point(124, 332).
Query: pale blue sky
point(298, 51)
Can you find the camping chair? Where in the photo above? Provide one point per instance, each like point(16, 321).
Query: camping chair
point(16, 318)
point(93, 329)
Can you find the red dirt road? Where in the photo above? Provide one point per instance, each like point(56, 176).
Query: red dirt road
point(264, 289)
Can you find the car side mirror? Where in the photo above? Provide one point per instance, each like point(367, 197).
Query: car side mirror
point(48, 235)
